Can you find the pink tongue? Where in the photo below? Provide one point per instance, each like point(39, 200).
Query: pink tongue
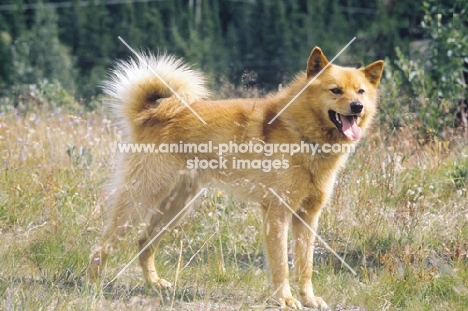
point(350, 128)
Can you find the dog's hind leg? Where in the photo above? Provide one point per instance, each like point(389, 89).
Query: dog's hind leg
point(130, 205)
point(141, 182)
point(163, 219)
point(128, 208)
point(123, 211)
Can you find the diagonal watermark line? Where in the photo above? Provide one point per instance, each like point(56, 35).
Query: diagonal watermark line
point(162, 80)
point(313, 231)
point(155, 237)
point(311, 81)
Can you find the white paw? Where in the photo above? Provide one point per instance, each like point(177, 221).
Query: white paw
point(160, 283)
point(314, 302)
point(290, 302)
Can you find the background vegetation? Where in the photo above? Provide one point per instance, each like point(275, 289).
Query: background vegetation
point(225, 38)
point(400, 211)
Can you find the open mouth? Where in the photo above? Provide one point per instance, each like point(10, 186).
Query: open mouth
point(346, 124)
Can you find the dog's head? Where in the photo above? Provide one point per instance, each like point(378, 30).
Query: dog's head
point(345, 98)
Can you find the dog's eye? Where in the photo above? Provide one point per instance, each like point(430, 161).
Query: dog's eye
point(336, 91)
point(361, 91)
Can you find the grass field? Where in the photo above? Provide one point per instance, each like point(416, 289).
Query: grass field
point(399, 217)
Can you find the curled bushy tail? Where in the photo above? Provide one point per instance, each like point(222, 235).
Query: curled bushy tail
point(137, 84)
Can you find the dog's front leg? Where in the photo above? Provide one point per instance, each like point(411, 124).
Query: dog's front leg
point(275, 230)
point(304, 252)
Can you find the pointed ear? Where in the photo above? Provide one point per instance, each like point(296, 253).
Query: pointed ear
point(317, 61)
point(373, 71)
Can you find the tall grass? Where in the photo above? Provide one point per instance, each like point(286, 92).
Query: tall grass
point(399, 217)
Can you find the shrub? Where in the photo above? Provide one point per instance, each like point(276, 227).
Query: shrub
point(427, 90)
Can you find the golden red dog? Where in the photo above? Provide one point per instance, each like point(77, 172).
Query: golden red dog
point(151, 188)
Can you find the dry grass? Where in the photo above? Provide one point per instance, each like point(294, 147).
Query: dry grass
point(399, 217)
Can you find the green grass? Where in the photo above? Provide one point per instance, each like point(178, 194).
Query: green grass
point(399, 217)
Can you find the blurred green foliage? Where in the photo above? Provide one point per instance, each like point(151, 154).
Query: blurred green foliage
point(251, 44)
point(428, 88)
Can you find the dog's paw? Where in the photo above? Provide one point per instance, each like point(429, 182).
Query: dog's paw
point(314, 302)
point(160, 283)
point(153, 280)
point(290, 302)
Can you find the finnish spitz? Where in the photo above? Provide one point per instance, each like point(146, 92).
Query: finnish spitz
point(325, 106)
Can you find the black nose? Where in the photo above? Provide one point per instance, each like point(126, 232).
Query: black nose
point(356, 107)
